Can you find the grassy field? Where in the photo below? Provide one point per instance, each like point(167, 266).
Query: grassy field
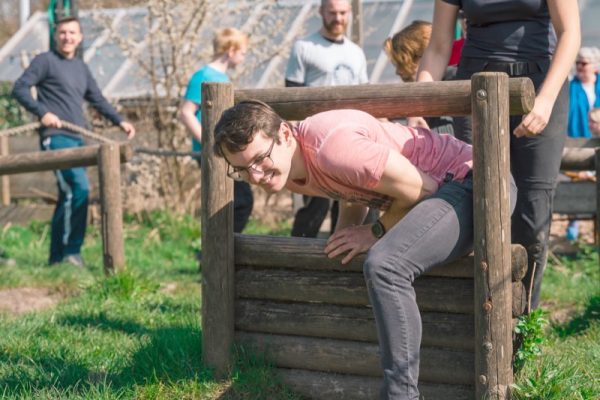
point(137, 335)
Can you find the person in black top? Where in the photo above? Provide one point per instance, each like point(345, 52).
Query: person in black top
point(537, 39)
point(63, 82)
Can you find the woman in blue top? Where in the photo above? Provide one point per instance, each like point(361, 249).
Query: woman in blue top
point(584, 91)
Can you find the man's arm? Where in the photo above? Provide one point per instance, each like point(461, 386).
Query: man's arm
point(33, 75)
point(406, 185)
point(187, 115)
point(350, 214)
point(94, 96)
point(295, 72)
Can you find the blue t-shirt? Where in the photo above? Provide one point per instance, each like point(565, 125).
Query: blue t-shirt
point(194, 91)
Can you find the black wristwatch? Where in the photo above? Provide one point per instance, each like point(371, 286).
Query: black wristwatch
point(377, 229)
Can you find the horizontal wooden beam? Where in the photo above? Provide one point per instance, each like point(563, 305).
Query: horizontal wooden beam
point(438, 365)
point(57, 159)
point(455, 331)
point(390, 100)
point(329, 386)
point(578, 159)
point(575, 198)
point(433, 294)
point(307, 254)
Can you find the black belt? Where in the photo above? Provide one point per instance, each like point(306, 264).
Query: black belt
point(512, 68)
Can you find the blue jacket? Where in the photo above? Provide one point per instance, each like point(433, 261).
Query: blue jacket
point(579, 108)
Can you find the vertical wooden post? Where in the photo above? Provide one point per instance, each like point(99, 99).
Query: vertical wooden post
point(217, 237)
point(597, 220)
point(4, 151)
point(357, 22)
point(109, 174)
point(493, 294)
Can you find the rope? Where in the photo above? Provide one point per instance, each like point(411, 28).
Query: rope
point(167, 153)
point(72, 127)
point(77, 129)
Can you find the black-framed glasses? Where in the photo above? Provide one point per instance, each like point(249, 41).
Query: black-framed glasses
point(261, 164)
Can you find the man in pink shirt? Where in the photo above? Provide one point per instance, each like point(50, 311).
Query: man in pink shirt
point(420, 180)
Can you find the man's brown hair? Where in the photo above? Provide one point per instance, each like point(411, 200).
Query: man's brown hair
point(239, 124)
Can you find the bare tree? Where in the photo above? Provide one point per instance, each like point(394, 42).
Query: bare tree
point(178, 40)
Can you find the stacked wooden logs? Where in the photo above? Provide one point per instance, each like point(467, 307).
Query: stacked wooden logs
point(312, 318)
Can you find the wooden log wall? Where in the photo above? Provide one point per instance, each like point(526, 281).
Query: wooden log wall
point(312, 317)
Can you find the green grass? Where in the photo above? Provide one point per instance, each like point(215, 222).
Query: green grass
point(135, 335)
point(569, 366)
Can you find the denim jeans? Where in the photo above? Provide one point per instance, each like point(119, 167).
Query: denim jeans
point(436, 231)
point(69, 221)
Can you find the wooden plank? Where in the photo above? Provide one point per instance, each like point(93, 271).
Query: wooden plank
point(307, 253)
point(109, 176)
point(217, 237)
point(433, 294)
point(454, 331)
point(575, 198)
point(491, 199)
point(385, 100)
point(582, 142)
point(437, 365)
point(328, 386)
point(519, 299)
point(56, 159)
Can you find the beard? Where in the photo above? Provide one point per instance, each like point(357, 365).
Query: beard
point(334, 28)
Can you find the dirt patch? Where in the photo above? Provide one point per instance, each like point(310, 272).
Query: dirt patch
point(22, 300)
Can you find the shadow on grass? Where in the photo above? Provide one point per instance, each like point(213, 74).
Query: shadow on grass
point(581, 322)
point(169, 354)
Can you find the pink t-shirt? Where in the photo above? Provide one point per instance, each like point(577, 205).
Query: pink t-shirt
point(345, 152)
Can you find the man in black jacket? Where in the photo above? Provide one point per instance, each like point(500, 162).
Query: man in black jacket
point(63, 81)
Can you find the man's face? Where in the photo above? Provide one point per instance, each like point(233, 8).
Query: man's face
point(265, 163)
point(68, 36)
point(237, 56)
point(335, 14)
point(585, 70)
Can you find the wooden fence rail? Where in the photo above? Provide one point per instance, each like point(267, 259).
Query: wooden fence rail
point(108, 157)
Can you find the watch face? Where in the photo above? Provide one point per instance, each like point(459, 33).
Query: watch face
point(377, 229)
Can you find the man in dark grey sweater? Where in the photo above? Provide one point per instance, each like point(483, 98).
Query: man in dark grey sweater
point(63, 82)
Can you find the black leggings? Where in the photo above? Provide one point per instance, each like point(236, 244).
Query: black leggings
point(535, 163)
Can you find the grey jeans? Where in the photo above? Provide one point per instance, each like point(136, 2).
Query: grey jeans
point(436, 231)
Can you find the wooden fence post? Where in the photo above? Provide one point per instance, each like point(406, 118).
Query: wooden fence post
point(109, 177)
point(5, 179)
point(357, 22)
point(217, 237)
point(493, 293)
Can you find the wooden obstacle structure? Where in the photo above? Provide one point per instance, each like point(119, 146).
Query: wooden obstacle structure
point(108, 157)
point(311, 315)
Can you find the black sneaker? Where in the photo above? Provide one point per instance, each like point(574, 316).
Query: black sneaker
point(74, 259)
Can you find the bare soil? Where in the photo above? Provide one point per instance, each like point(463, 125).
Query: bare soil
point(22, 300)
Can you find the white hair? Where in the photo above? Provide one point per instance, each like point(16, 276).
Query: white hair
point(590, 54)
